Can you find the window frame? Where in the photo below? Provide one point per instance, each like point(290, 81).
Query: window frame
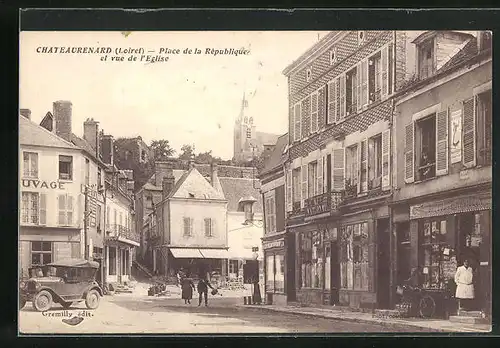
point(484, 153)
point(270, 213)
point(209, 232)
point(42, 252)
point(375, 159)
point(28, 171)
point(312, 179)
point(351, 75)
point(377, 77)
point(69, 160)
point(187, 227)
point(67, 210)
point(429, 119)
point(428, 46)
point(348, 262)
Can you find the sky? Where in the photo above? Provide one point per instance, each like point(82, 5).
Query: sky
point(190, 99)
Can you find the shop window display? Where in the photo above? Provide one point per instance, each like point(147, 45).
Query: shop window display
point(354, 257)
point(312, 259)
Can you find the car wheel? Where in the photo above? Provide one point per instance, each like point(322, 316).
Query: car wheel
point(92, 299)
point(66, 305)
point(42, 301)
point(22, 302)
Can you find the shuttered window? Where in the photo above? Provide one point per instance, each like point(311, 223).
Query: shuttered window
point(208, 227)
point(409, 153)
point(363, 162)
point(386, 162)
point(33, 208)
point(469, 133)
point(332, 102)
point(314, 112)
point(297, 121)
point(484, 122)
point(30, 165)
point(304, 185)
point(351, 167)
point(289, 199)
point(385, 70)
point(65, 210)
point(338, 176)
point(442, 142)
point(312, 179)
point(188, 226)
point(342, 97)
point(319, 187)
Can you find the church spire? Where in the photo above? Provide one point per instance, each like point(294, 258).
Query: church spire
point(244, 104)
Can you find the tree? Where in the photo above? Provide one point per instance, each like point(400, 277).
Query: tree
point(207, 158)
point(187, 152)
point(161, 150)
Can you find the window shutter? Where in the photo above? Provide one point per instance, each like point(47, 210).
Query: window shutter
point(43, 209)
point(363, 81)
point(342, 97)
point(332, 102)
point(338, 169)
point(337, 99)
point(359, 84)
point(442, 142)
point(304, 185)
point(409, 153)
point(62, 209)
point(384, 70)
point(314, 112)
point(191, 223)
point(69, 209)
point(386, 159)
point(469, 133)
point(364, 164)
point(291, 130)
point(289, 198)
point(214, 225)
point(296, 118)
point(319, 177)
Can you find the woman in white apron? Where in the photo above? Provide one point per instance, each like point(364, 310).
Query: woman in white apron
point(465, 287)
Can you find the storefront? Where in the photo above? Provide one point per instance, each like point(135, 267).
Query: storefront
point(445, 232)
point(40, 246)
point(275, 270)
point(365, 258)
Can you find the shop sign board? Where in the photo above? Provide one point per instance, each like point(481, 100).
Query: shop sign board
point(273, 244)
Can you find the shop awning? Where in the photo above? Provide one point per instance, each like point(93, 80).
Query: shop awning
point(187, 253)
point(215, 253)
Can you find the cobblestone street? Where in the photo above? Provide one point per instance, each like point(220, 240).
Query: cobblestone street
point(132, 314)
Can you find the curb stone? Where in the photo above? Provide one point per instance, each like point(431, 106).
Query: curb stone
point(388, 324)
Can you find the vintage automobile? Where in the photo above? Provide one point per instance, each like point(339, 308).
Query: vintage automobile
point(64, 282)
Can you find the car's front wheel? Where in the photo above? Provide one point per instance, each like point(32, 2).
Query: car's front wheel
point(22, 302)
point(92, 299)
point(42, 301)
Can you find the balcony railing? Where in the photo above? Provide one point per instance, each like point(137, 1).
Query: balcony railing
point(117, 231)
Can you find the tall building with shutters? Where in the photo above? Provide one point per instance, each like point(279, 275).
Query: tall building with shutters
point(441, 205)
point(338, 172)
point(55, 167)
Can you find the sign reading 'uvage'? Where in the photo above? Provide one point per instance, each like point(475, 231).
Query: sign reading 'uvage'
point(42, 184)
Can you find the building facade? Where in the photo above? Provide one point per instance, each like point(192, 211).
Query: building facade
point(337, 173)
point(191, 226)
point(279, 283)
point(442, 199)
point(51, 201)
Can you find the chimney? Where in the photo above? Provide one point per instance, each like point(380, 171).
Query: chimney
point(107, 146)
point(167, 183)
point(91, 134)
point(214, 177)
point(26, 113)
point(62, 115)
point(162, 168)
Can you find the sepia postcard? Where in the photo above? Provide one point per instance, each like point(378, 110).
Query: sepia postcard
point(225, 182)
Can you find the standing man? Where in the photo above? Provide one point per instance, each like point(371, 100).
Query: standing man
point(203, 286)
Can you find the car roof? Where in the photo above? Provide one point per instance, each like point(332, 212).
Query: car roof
point(80, 263)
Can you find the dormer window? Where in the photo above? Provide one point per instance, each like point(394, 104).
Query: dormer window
point(426, 59)
point(333, 56)
point(308, 74)
point(361, 37)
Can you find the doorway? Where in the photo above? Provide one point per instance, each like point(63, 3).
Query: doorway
point(290, 267)
point(383, 263)
point(469, 241)
point(334, 272)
